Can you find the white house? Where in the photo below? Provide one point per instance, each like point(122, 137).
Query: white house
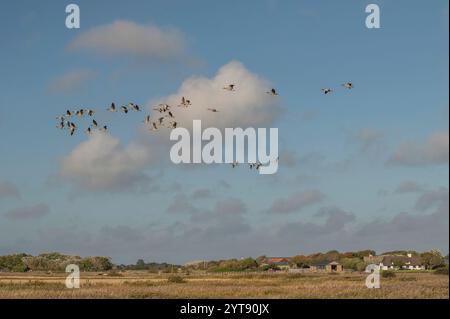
point(408, 262)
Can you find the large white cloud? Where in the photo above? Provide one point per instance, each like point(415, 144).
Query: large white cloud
point(249, 105)
point(101, 163)
point(126, 37)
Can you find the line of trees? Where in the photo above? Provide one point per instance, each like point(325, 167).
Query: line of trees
point(432, 259)
point(349, 260)
point(150, 267)
point(52, 262)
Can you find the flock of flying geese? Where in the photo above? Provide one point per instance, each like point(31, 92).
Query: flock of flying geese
point(166, 118)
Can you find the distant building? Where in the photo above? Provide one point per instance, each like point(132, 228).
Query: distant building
point(330, 267)
point(404, 262)
point(280, 262)
point(392, 262)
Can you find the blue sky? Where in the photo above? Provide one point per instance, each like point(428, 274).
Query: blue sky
point(366, 168)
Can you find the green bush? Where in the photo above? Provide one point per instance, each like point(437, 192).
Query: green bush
point(387, 274)
point(19, 268)
point(441, 271)
point(361, 266)
point(176, 279)
point(95, 264)
point(13, 263)
point(265, 267)
point(114, 273)
point(350, 263)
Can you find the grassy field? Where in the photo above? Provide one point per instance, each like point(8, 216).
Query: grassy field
point(239, 285)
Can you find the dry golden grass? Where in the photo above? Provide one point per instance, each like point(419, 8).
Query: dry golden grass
point(146, 285)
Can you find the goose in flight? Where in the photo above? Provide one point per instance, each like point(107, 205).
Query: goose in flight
point(327, 90)
point(88, 131)
point(229, 87)
point(154, 127)
point(147, 119)
point(162, 108)
point(90, 112)
point(68, 113)
point(170, 114)
point(80, 113)
point(72, 127)
point(94, 123)
point(234, 164)
point(348, 85)
point(112, 108)
point(124, 109)
point(272, 92)
point(159, 109)
point(173, 124)
point(133, 106)
point(185, 102)
point(213, 110)
point(105, 128)
point(160, 120)
point(61, 121)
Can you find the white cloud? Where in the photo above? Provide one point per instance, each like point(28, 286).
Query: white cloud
point(432, 198)
point(248, 105)
point(289, 158)
point(29, 212)
point(336, 221)
point(202, 193)
point(180, 204)
point(8, 189)
point(215, 234)
point(336, 218)
point(368, 139)
point(296, 201)
point(433, 151)
point(101, 163)
point(70, 81)
point(129, 38)
point(405, 230)
point(230, 206)
point(408, 187)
